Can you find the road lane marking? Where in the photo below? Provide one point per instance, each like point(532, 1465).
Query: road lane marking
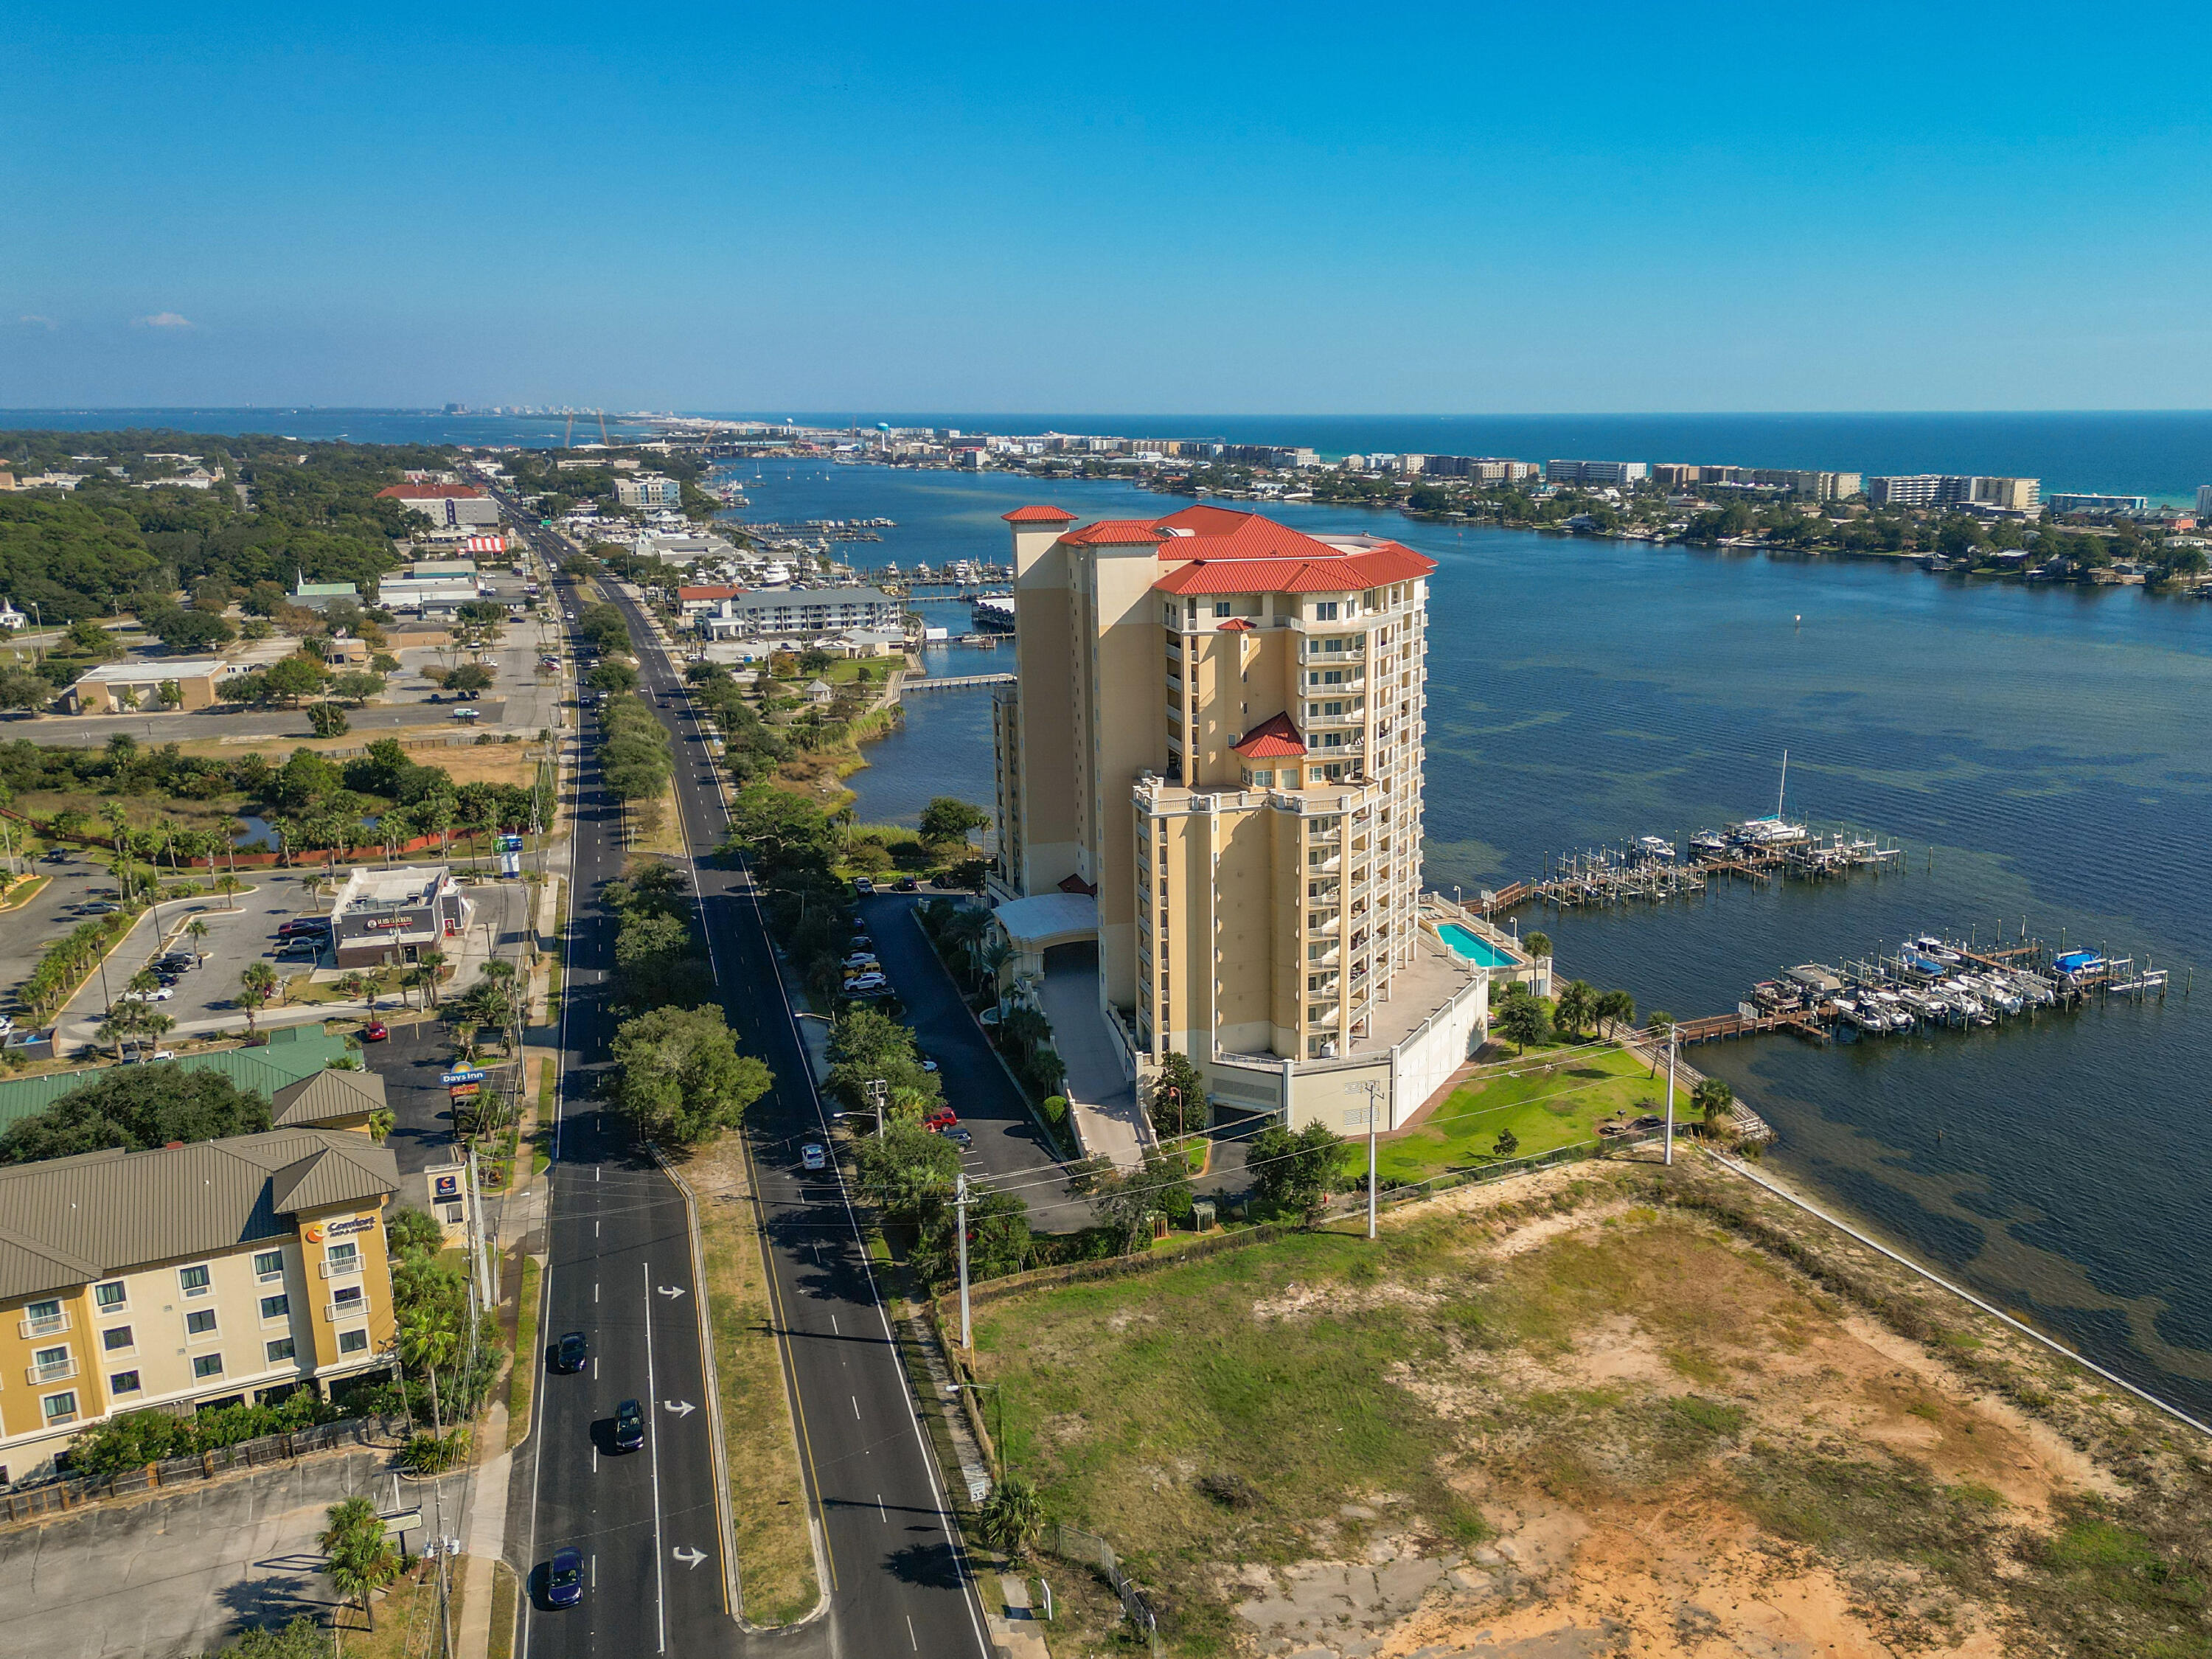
point(881, 1510)
point(660, 1549)
point(834, 1331)
point(909, 1633)
point(856, 1399)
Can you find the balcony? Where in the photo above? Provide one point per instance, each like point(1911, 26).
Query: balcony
point(1315, 718)
point(1354, 649)
point(1323, 892)
point(34, 1325)
point(1175, 689)
point(57, 1370)
point(334, 1311)
point(1326, 866)
point(1321, 924)
point(1327, 958)
point(341, 1269)
point(1327, 987)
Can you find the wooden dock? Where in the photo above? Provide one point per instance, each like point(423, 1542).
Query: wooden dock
point(913, 683)
point(1716, 1028)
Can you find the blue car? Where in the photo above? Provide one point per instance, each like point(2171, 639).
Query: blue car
point(564, 1579)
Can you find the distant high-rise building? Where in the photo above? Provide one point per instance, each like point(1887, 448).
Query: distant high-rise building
point(1954, 489)
point(2075, 501)
point(2204, 498)
point(1596, 472)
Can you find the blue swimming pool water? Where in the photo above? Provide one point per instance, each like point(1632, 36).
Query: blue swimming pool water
point(1473, 947)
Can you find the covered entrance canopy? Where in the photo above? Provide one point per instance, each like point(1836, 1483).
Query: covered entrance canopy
point(1034, 925)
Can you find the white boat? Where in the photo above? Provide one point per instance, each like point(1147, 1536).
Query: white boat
point(1929, 945)
point(1709, 843)
point(1655, 848)
point(1998, 994)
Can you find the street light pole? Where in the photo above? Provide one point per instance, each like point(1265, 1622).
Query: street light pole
point(1373, 1086)
point(960, 1206)
point(1670, 1096)
point(877, 1090)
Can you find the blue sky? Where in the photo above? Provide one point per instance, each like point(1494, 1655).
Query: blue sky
point(1258, 208)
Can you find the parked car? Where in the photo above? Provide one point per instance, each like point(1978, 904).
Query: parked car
point(177, 962)
point(376, 1032)
point(573, 1350)
point(301, 947)
point(812, 1157)
point(465, 714)
point(864, 887)
point(959, 1137)
point(98, 907)
point(907, 884)
point(861, 942)
point(858, 984)
point(942, 1119)
point(7, 1025)
point(159, 993)
point(862, 959)
point(564, 1578)
point(292, 924)
point(630, 1425)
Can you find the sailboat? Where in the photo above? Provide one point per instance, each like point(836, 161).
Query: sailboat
point(1774, 831)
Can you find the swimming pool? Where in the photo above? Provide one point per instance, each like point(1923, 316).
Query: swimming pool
point(1474, 947)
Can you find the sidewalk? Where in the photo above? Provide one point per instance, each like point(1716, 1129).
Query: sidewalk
point(1100, 1095)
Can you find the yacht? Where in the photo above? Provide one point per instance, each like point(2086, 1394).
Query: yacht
point(1709, 844)
point(1998, 994)
point(1929, 945)
point(1653, 847)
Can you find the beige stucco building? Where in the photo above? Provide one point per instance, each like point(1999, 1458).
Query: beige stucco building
point(186, 1276)
point(1216, 734)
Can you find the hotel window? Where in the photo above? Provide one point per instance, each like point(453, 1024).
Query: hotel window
point(342, 1258)
point(353, 1341)
point(59, 1407)
point(347, 1297)
point(44, 1318)
point(1221, 607)
point(200, 1322)
point(280, 1350)
point(1325, 610)
point(193, 1281)
point(207, 1365)
point(112, 1297)
point(276, 1307)
point(116, 1339)
point(269, 1264)
point(123, 1383)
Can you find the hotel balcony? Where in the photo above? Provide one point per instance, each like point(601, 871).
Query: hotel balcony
point(58, 1371)
point(1355, 650)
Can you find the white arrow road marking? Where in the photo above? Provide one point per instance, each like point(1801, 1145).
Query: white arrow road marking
point(671, 1290)
point(690, 1557)
point(681, 1407)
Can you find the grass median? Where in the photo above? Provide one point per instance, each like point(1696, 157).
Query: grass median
point(523, 1375)
point(768, 1499)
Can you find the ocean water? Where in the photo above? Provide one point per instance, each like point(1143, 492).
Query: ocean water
point(360, 426)
point(2041, 754)
point(2163, 453)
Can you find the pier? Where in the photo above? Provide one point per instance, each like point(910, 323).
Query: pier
point(1653, 870)
point(908, 686)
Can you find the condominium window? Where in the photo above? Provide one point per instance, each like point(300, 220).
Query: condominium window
point(1221, 607)
point(1325, 610)
point(116, 1336)
point(347, 1296)
point(193, 1281)
point(60, 1407)
point(123, 1383)
point(276, 1307)
point(200, 1322)
point(269, 1264)
point(44, 1318)
point(56, 1360)
point(353, 1341)
point(207, 1365)
point(342, 1258)
point(111, 1296)
point(280, 1350)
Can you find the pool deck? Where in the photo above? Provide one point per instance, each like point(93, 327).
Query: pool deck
point(1438, 913)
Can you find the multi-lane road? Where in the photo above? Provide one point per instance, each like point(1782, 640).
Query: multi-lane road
point(620, 1269)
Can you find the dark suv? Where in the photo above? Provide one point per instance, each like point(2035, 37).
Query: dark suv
point(573, 1350)
point(630, 1426)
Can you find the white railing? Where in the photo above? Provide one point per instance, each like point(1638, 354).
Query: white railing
point(44, 1325)
point(59, 1371)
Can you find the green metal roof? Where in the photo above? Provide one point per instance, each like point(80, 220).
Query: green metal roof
point(293, 1053)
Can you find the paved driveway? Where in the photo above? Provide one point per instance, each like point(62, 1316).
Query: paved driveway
point(1009, 1152)
point(25, 933)
point(410, 1062)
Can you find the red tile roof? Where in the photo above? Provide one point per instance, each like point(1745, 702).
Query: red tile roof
point(1235, 625)
point(1117, 532)
point(1038, 515)
point(710, 591)
point(1338, 573)
point(413, 492)
point(1270, 740)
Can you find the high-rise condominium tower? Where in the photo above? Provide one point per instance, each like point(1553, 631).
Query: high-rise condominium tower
point(1215, 738)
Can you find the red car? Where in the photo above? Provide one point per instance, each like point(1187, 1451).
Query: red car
point(943, 1118)
point(375, 1031)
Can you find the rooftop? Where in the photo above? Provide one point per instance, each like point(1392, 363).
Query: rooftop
point(70, 1220)
point(153, 672)
point(430, 492)
point(391, 889)
point(1217, 551)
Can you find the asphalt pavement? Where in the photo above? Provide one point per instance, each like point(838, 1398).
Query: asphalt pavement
point(899, 1581)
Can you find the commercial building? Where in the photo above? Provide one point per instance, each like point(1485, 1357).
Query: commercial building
point(320, 596)
point(694, 601)
point(1595, 472)
point(2070, 502)
point(427, 596)
point(650, 489)
point(682, 550)
point(195, 1275)
point(781, 610)
point(448, 506)
point(391, 917)
point(115, 688)
point(1936, 490)
point(1210, 774)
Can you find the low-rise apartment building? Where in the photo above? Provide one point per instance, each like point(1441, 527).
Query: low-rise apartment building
point(796, 611)
point(650, 489)
point(189, 1276)
point(1215, 744)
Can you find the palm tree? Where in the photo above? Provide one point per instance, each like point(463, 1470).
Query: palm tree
point(1658, 1025)
point(381, 1124)
point(255, 987)
point(1572, 1009)
point(352, 986)
point(197, 931)
point(124, 1020)
point(362, 1557)
point(1714, 1098)
point(1611, 1008)
point(230, 887)
point(1539, 946)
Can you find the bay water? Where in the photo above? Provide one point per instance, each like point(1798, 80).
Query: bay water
point(2043, 754)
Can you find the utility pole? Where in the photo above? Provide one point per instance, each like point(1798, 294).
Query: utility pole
point(1670, 1096)
point(877, 1090)
point(960, 1206)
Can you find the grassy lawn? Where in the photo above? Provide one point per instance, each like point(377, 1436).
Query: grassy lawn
point(407, 1619)
point(522, 1375)
point(656, 826)
point(768, 1500)
point(1550, 1097)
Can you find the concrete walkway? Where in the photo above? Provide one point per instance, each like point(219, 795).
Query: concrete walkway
point(1099, 1093)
